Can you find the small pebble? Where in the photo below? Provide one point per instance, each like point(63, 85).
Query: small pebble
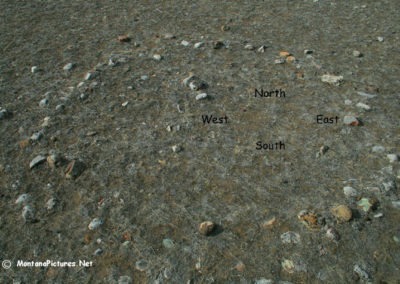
point(68, 67)
point(169, 36)
point(4, 113)
point(51, 203)
point(218, 44)
point(28, 214)
point(157, 57)
point(176, 148)
point(356, 53)
point(249, 46)
point(36, 161)
point(380, 38)
point(290, 238)
point(36, 136)
point(363, 94)
point(396, 204)
point(46, 121)
point(95, 223)
point(279, 61)
point(378, 149)
point(60, 108)
point(349, 191)
point(361, 272)
point(23, 199)
point(367, 204)
point(363, 106)
point(34, 69)
point(142, 265)
point(351, 120)
point(198, 44)
point(308, 51)
point(348, 102)
point(290, 59)
point(125, 280)
point(123, 38)
point(168, 243)
point(144, 77)
point(88, 76)
point(98, 251)
point(378, 215)
point(74, 169)
point(269, 223)
point(284, 54)
point(125, 104)
point(44, 103)
point(201, 96)
point(264, 281)
point(206, 228)
point(392, 158)
point(332, 234)
point(332, 79)
point(185, 43)
point(261, 49)
point(342, 213)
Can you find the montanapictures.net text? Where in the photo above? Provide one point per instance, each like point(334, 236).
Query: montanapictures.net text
point(50, 263)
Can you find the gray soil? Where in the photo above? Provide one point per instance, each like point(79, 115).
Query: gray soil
point(151, 198)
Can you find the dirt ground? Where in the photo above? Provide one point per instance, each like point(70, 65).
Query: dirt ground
point(150, 169)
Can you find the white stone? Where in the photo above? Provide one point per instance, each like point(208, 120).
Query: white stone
point(23, 199)
point(348, 102)
point(279, 61)
point(262, 49)
point(378, 149)
point(380, 38)
point(95, 223)
point(88, 76)
point(201, 96)
point(36, 136)
point(392, 157)
point(363, 94)
point(43, 102)
point(125, 104)
point(51, 203)
point(176, 148)
point(350, 120)
point(34, 69)
point(198, 44)
point(331, 79)
point(36, 161)
point(249, 46)
point(157, 57)
point(27, 213)
point(185, 43)
point(349, 191)
point(363, 106)
point(68, 67)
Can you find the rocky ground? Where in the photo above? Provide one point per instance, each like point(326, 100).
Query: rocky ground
point(199, 142)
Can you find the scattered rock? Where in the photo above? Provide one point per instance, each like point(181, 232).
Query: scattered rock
point(201, 96)
point(342, 213)
point(60, 108)
point(348, 102)
point(168, 243)
point(362, 273)
point(349, 191)
point(28, 214)
point(308, 51)
point(290, 59)
point(322, 150)
point(363, 106)
point(176, 148)
point(380, 38)
point(396, 204)
point(392, 157)
point(240, 266)
point(68, 67)
point(284, 54)
point(44, 103)
point(351, 120)
point(157, 57)
point(261, 49)
point(264, 281)
point(249, 46)
point(356, 53)
point(141, 265)
point(98, 251)
point(194, 83)
point(292, 266)
point(290, 238)
point(310, 219)
point(35, 69)
point(369, 96)
point(378, 215)
point(279, 61)
point(51, 203)
point(169, 36)
point(218, 44)
point(74, 169)
point(88, 76)
point(123, 38)
point(198, 44)
point(54, 160)
point(378, 149)
point(124, 104)
point(23, 199)
point(206, 228)
point(332, 79)
point(4, 113)
point(125, 280)
point(185, 43)
point(332, 234)
point(37, 161)
point(36, 136)
point(269, 223)
point(367, 204)
point(95, 223)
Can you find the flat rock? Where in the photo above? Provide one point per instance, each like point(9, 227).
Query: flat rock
point(332, 79)
point(36, 161)
point(74, 169)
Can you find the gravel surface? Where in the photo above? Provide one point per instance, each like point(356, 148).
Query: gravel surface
point(199, 142)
